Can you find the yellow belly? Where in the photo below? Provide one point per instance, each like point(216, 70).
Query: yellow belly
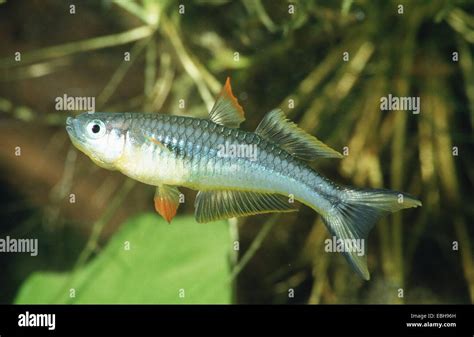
point(151, 166)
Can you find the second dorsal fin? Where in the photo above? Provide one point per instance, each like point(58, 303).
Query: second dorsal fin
point(227, 110)
point(276, 128)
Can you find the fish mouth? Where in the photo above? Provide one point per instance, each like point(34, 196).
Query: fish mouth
point(70, 126)
point(73, 132)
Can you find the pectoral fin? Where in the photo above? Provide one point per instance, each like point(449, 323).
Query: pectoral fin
point(225, 204)
point(276, 128)
point(156, 142)
point(167, 201)
point(227, 110)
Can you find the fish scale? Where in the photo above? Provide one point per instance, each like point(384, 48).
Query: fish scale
point(198, 152)
point(269, 158)
point(298, 178)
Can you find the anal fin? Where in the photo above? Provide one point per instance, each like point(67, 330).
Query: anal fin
point(225, 204)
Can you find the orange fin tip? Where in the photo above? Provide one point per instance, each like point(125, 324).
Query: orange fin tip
point(166, 201)
point(227, 92)
point(166, 208)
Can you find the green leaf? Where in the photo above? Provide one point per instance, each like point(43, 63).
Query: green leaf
point(182, 262)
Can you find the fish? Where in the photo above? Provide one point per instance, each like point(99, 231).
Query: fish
point(212, 156)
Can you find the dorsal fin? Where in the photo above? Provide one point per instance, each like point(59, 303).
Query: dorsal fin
point(227, 110)
point(276, 128)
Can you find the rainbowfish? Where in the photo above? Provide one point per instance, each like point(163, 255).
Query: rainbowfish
point(237, 173)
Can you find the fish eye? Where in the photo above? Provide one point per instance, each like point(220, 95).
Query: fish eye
point(96, 129)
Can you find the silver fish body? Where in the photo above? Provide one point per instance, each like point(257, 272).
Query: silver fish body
point(169, 151)
point(194, 161)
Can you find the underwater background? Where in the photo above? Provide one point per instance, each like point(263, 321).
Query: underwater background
point(327, 64)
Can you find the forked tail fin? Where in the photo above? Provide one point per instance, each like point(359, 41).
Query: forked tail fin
point(355, 213)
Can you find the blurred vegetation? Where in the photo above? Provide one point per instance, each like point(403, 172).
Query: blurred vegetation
point(147, 261)
point(275, 57)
